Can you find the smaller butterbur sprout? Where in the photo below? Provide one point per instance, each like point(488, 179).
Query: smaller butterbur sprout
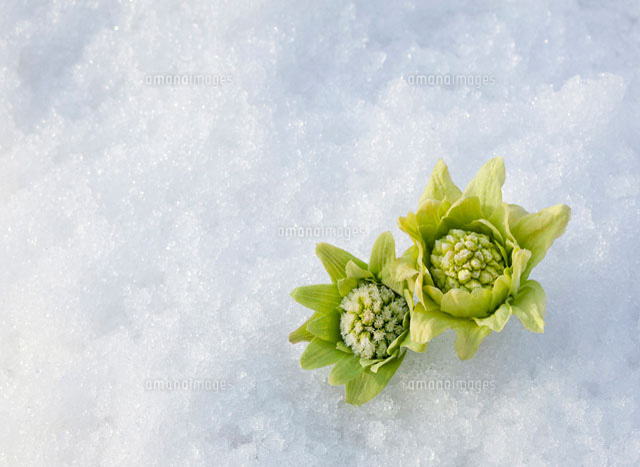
point(361, 320)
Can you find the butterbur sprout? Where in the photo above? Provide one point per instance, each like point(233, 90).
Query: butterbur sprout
point(472, 256)
point(468, 270)
point(361, 320)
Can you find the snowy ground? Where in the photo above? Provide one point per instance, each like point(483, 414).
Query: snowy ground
point(141, 224)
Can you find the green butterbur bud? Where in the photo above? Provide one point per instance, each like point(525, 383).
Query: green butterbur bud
point(361, 321)
point(474, 278)
point(371, 319)
point(465, 260)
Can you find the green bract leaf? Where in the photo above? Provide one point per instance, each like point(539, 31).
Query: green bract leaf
point(409, 225)
point(428, 322)
point(529, 306)
point(346, 285)
point(387, 279)
point(320, 297)
point(434, 293)
point(469, 337)
point(520, 258)
point(382, 254)
point(462, 213)
point(408, 298)
point(326, 326)
point(400, 270)
point(428, 217)
point(343, 348)
point(486, 227)
point(397, 341)
point(319, 353)
point(301, 334)
point(500, 290)
point(356, 272)
point(440, 186)
point(380, 363)
point(500, 220)
point(335, 260)
point(367, 385)
point(515, 213)
point(367, 362)
point(497, 320)
point(487, 185)
point(345, 369)
point(404, 268)
point(536, 232)
point(462, 304)
point(412, 345)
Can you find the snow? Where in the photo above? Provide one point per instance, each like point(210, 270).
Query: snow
point(144, 306)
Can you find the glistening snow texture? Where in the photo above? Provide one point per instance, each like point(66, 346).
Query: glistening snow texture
point(144, 226)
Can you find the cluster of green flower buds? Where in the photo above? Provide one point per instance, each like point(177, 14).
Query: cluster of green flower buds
point(463, 259)
point(371, 319)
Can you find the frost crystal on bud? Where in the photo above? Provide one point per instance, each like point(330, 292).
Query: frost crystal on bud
point(465, 260)
point(371, 319)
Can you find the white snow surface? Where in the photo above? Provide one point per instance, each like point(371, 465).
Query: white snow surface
point(142, 226)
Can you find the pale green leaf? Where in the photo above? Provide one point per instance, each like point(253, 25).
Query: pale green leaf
point(343, 348)
point(326, 326)
point(440, 186)
point(428, 322)
point(346, 285)
point(500, 290)
point(345, 369)
point(469, 337)
point(387, 279)
point(515, 213)
point(487, 228)
point(319, 297)
point(408, 298)
point(301, 334)
point(397, 341)
point(367, 385)
point(497, 320)
point(462, 304)
point(461, 214)
point(335, 260)
point(519, 260)
point(500, 220)
point(412, 345)
point(428, 217)
point(319, 353)
point(356, 272)
point(536, 232)
point(375, 367)
point(434, 293)
point(487, 185)
point(409, 225)
point(382, 254)
point(529, 306)
point(404, 268)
